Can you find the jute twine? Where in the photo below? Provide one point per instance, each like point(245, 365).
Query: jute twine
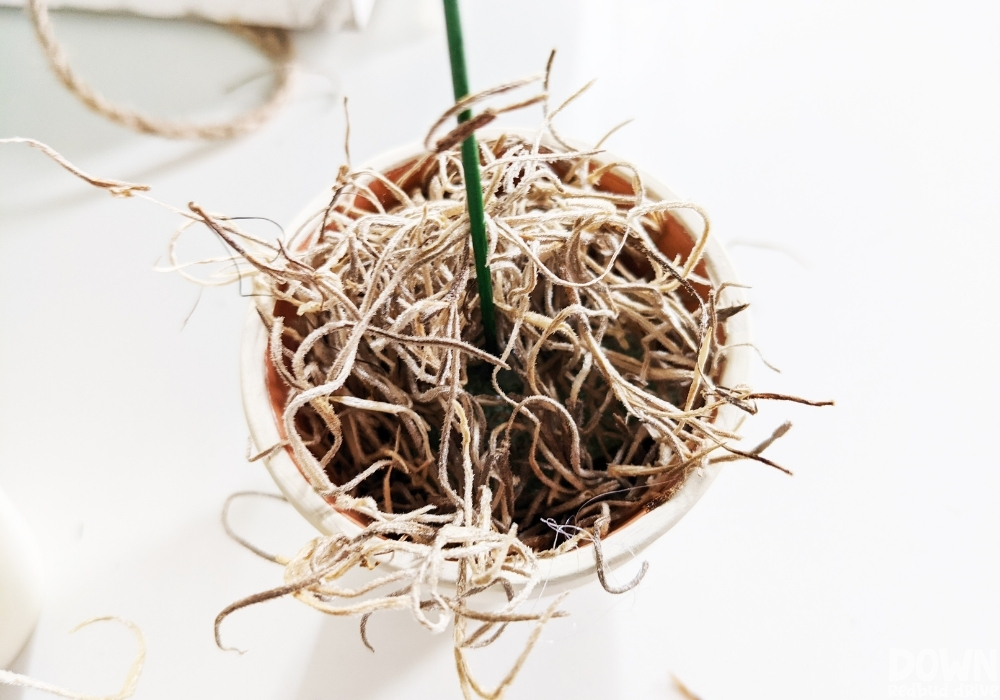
point(275, 43)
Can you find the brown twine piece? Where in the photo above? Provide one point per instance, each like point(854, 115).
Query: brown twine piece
point(117, 188)
point(275, 43)
point(128, 686)
point(683, 689)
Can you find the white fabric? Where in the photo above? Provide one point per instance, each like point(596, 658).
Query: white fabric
point(292, 14)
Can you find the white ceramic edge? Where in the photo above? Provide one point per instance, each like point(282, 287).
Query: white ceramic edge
point(20, 582)
point(619, 546)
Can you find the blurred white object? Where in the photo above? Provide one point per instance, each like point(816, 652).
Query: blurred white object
point(290, 14)
point(20, 582)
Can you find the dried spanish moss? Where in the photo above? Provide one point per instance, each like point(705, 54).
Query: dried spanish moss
point(605, 383)
point(457, 463)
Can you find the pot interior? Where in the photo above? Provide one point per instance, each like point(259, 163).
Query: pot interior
point(673, 237)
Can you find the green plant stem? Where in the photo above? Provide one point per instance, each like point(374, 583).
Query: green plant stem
point(473, 183)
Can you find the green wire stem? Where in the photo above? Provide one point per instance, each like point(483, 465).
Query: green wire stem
point(473, 183)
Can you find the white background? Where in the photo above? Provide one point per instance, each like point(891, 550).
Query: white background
point(850, 155)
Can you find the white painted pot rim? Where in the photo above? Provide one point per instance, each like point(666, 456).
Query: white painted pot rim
point(622, 544)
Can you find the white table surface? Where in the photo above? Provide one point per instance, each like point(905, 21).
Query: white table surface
point(850, 155)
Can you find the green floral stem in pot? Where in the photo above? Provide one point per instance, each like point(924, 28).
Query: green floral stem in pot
point(473, 183)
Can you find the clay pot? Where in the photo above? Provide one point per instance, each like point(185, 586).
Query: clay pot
point(263, 394)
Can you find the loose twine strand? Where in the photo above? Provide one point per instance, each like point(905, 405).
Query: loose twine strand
point(275, 43)
point(117, 188)
point(128, 686)
point(683, 689)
